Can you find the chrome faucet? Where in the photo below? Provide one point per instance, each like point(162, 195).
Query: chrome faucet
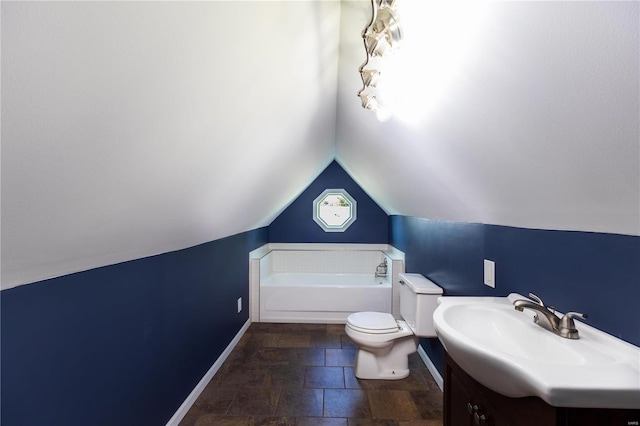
point(381, 269)
point(563, 327)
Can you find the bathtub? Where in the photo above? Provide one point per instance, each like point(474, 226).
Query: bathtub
point(318, 297)
point(321, 283)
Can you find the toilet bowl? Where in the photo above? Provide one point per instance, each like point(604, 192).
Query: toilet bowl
point(385, 343)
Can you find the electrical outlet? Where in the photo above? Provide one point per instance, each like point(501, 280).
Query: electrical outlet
point(490, 273)
point(239, 304)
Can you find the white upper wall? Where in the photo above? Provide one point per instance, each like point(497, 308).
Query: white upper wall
point(512, 113)
point(136, 128)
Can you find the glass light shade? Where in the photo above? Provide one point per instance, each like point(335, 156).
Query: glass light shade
point(382, 113)
point(387, 23)
point(368, 101)
point(370, 77)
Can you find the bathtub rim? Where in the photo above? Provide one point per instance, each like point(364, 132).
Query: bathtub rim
point(385, 284)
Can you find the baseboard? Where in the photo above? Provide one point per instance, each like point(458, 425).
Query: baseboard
point(431, 367)
point(195, 393)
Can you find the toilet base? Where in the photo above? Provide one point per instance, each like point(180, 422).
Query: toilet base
point(383, 375)
point(391, 364)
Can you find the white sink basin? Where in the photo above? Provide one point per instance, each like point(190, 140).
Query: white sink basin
point(506, 351)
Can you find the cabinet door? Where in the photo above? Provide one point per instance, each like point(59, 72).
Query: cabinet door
point(494, 416)
point(488, 408)
point(456, 402)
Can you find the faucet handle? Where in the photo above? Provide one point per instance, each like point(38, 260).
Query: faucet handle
point(568, 327)
point(567, 319)
point(537, 299)
point(551, 309)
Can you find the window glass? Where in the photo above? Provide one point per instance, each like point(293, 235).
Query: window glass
point(334, 210)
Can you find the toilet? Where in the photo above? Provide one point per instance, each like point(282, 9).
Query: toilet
point(384, 343)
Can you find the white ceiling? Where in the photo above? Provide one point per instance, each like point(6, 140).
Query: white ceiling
point(136, 128)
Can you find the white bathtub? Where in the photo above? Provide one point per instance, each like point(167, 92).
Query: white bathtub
point(321, 297)
point(321, 283)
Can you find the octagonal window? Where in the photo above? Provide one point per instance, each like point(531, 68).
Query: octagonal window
point(334, 210)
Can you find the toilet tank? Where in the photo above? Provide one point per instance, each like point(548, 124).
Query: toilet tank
point(418, 301)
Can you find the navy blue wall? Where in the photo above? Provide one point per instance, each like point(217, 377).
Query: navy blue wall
point(296, 225)
point(594, 273)
point(123, 344)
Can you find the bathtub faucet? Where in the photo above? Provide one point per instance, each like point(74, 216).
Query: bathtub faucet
point(381, 269)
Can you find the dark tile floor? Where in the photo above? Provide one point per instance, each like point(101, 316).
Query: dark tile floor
point(302, 374)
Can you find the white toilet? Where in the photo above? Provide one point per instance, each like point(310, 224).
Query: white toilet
point(384, 343)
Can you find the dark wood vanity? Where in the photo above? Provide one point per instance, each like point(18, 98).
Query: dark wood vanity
point(467, 402)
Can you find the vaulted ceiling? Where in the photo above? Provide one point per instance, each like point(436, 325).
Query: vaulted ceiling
point(136, 128)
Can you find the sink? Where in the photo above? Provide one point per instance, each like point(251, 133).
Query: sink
point(506, 351)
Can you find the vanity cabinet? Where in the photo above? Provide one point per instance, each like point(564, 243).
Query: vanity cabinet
point(468, 403)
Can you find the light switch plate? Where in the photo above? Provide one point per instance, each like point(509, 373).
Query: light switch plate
point(490, 273)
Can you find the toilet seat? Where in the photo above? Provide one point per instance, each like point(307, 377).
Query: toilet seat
point(373, 323)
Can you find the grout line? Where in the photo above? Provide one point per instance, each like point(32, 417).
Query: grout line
point(235, 395)
point(324, 400)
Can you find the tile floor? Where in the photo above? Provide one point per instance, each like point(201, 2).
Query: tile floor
point(302, 375)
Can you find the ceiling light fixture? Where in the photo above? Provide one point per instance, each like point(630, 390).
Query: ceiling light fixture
point(381, 38)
